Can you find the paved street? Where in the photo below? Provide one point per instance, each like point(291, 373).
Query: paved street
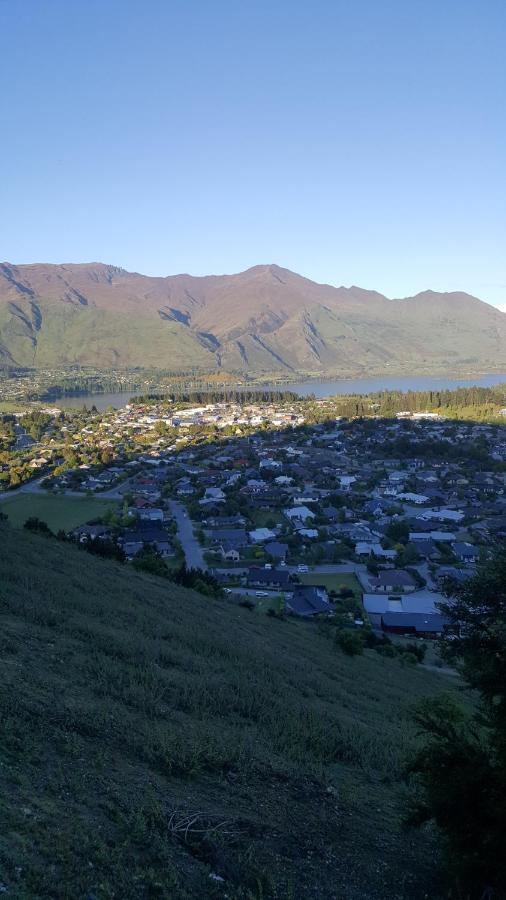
point(191, 547)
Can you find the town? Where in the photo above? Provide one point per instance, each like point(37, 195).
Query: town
point(290, 508)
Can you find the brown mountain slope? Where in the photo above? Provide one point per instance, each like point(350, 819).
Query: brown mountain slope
point(266, 319)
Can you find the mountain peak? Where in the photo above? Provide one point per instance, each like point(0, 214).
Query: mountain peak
point(264, 320)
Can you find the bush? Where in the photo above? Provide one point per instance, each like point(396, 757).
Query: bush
point(416, 650)
point(149, 560)
point(350, 642)
point(37, 526)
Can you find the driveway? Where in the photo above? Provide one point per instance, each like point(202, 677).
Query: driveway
point(194, 555)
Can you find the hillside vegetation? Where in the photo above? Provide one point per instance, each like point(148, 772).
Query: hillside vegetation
point(154, 743)
point(266, 320)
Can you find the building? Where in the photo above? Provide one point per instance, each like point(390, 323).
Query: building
point(428, 625)
point(309, 600)
point(393, 580)
point(276, 579)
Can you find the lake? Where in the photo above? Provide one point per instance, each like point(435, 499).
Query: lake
point(101, 401)
point(391, 383)
point(305, 388)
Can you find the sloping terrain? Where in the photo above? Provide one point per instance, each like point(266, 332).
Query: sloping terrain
point(155, 743)
point(264, 320)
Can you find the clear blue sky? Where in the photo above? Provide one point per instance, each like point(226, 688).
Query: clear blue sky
point(354, 141)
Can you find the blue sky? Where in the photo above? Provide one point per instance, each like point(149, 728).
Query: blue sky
point(354, 142)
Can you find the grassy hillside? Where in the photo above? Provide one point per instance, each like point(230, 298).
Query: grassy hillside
point(153, 742)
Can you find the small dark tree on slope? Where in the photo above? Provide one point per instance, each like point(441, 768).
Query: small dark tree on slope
point(461, 769)
point(38, 526)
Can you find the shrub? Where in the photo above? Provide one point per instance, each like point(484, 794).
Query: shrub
point(350, 642)
point(37, 526)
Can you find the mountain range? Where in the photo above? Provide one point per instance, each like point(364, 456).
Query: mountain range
point(264, 320)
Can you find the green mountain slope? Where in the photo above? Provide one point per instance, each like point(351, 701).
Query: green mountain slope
point(264, 320)
point(153, 742)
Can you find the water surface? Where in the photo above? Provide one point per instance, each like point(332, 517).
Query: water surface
point(306, 388)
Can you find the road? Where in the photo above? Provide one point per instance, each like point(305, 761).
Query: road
point(193, 553)
point(34, 487)
point(30, 487)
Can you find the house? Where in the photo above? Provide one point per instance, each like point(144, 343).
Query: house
point(276, 549)
point(373, 548)
point(331, 513)
point(91, 532)
point(151, 514)
point(375, 507)
point(225, 521)
point(301, 513)
point(259, 535)
point(346, 481)
point(234, 537)
point(309, 600)
point(425, 549)
point(451, 572)
point(393, 580)
point(465, 552)
point(133, 541)
point(431, 536)
point(306, 497)
point(428, 625)
point(410, 497)
point(278, 579)
point(310, 533)
point(443, 515)
point(213, 495)
point(229, 551)
point(419, 602)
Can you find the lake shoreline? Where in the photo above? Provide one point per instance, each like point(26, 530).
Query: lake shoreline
point(320, 388)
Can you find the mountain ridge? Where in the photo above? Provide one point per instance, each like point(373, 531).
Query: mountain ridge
point(266, 319)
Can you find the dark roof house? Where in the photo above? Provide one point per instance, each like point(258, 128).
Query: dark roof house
point(275, 578)
point(276, 549)
point(309, 600)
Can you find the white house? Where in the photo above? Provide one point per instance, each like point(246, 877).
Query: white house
point(409, 497)
point(299, 513)
point(212, 495)
point(259, 535)
point(308, 532)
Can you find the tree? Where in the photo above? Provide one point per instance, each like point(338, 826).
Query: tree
point(350, 642)
point(398, 531)
point(461, 768)
point(148, 559)
point(38, 526)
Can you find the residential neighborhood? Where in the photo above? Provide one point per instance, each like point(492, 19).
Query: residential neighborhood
point(287, 511)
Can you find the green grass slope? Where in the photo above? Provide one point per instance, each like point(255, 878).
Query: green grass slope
point(154, 743)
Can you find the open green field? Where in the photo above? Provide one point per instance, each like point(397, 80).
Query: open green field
point(260, 517)
point(334, 582)
point(58, 512)
point(11, 406)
